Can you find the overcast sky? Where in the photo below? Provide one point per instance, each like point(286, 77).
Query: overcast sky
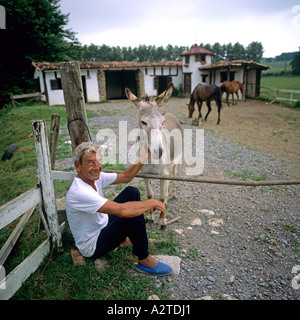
point(124, 23)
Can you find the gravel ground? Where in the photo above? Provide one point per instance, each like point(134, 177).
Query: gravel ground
point(251, 252)
point(247, 242)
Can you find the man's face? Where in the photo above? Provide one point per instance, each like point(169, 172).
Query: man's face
point(90, 168)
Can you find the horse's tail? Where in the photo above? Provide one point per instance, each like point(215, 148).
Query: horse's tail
point(218, 97)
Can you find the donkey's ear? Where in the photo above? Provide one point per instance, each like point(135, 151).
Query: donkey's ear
point(164, 97)
point(135, 100)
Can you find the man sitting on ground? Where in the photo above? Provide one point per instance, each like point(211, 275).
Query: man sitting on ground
point(100, 225)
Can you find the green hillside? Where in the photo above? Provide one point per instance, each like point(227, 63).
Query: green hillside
point(278, 67)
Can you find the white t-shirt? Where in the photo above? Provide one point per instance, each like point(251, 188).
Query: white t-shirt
point(82, 205)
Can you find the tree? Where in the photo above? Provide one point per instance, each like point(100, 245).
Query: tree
point(91, 52)
point(295, 63)
point(239, 52)
point(116, 54)
point(34, 32)
point(219, 51)
point(229, 51)
point(254, 51)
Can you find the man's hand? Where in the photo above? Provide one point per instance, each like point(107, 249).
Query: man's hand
point(159, 206)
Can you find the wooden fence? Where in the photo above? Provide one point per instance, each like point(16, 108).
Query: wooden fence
point(36, 96)
point(274, 94)
point(24, 205)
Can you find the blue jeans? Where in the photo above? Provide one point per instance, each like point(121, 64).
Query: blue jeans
point(118, 229)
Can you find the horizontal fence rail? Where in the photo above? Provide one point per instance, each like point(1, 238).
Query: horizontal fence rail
point(23, 205)
point(275, 93)
point(63, 175)
point(16, 207)
point(14, 280)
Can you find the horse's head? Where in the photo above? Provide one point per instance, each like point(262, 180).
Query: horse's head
point(191, 109)
point(151, 120)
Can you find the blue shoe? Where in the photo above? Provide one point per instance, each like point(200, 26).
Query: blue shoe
point(160, 269)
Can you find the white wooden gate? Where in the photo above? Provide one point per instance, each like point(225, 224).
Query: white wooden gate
point(24, 206)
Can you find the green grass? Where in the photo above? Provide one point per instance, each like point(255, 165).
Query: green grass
point(246, 175)
point(18, 174)
point(278, 67)
point(281, 82)
point(57, 278)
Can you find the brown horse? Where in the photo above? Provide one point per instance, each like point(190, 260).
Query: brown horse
point(207, 93)
point(230, 87)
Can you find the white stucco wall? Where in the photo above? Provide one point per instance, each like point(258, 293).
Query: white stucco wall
point(38, 75)
point(193, 68)
point(251, 83)
point(149, 78)
point(92, 90)
point(57, 96)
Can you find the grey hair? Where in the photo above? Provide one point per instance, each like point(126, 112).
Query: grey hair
point(85, 148)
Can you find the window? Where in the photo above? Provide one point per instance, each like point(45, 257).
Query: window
point(200, 57)
point(204, 77)
point(187, 59)
point(223, 75)
point(197, 57)
point(56, 84)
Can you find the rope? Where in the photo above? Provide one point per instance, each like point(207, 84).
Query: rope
point(216, 181)
point(83, 123)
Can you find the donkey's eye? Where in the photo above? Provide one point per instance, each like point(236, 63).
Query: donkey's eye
point(144, 123)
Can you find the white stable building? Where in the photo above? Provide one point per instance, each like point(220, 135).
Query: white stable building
point(108, 80)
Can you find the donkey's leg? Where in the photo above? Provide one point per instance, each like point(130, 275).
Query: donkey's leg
point(164, 198)
point(174, 174)
point(150, 196)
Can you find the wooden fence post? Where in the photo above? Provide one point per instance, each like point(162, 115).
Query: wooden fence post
point(43, 157)
point(54, 131)
point(74, 101)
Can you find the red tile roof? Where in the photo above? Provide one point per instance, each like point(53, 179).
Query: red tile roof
point(197, 50)
point(235, 64)
point(40, 66)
